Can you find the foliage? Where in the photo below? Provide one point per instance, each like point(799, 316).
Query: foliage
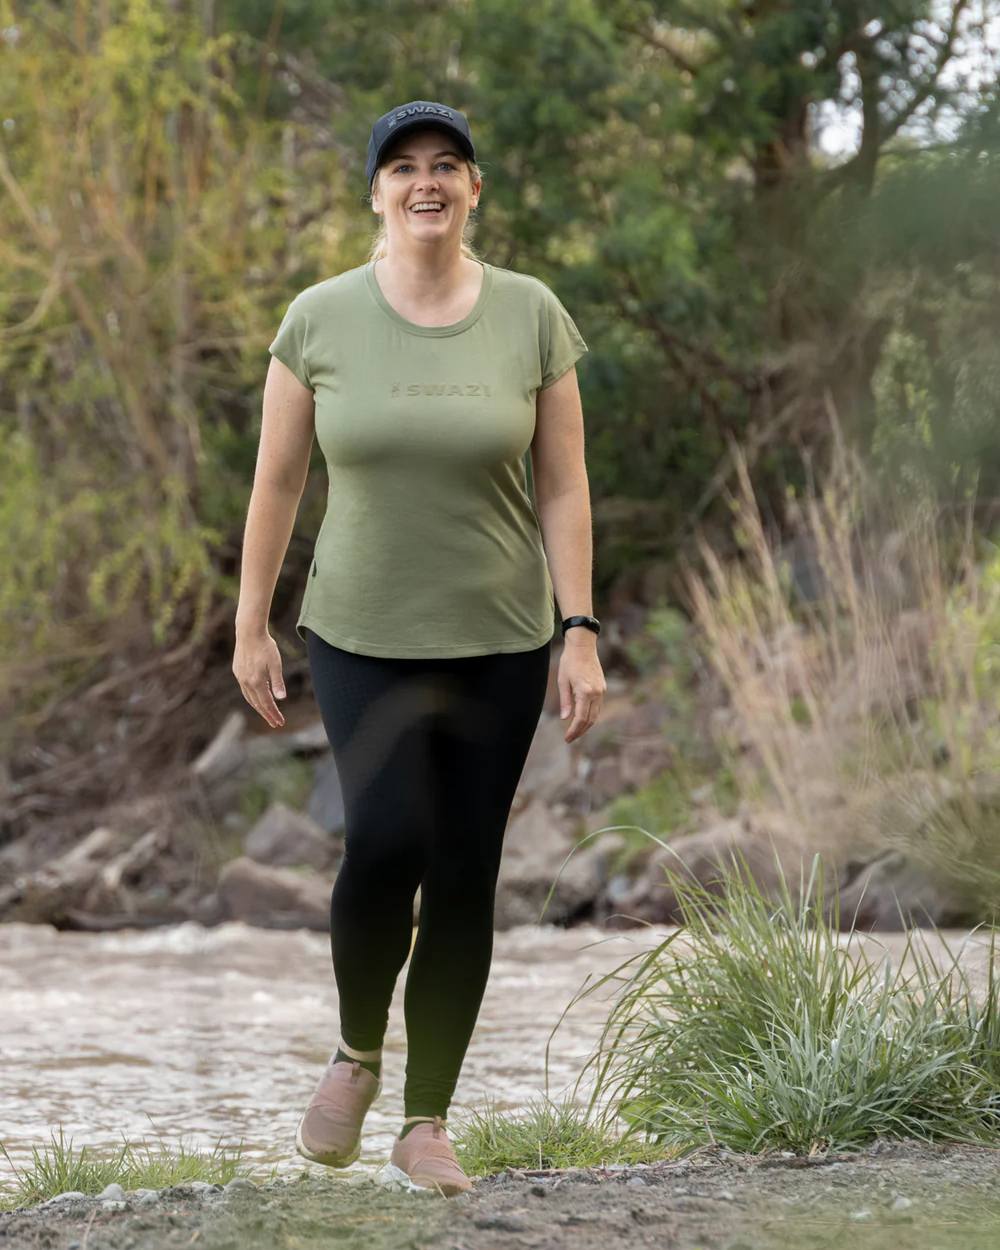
point(654, 161)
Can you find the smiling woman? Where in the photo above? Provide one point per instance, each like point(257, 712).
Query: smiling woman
point(428, 612)
point(456, 185)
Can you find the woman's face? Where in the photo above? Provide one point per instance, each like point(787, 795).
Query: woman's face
point(425, 166)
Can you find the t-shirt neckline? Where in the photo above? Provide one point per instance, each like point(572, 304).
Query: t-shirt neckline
point(456, 327)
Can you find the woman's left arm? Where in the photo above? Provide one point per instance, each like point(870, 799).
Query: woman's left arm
point(562, 501)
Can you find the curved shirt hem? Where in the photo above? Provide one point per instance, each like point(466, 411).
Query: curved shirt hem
point(419, 652)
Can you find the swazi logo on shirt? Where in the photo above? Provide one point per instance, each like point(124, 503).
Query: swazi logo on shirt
point(434, 390)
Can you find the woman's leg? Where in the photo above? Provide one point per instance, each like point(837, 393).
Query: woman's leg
point(489, 714)
point(378, 715)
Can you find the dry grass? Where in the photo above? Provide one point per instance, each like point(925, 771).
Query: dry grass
point(870, 705)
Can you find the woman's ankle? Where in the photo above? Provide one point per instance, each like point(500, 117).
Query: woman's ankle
point(374, 1066)
point(413, 1120)
point(359, 1054)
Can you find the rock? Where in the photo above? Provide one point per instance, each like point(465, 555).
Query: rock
point(548, 768)
point(105, 882)
point(605, 780)
point(925, 899)
point(625, 750)
point(934, 834)
point(644, 750)
point(283, 836)
point(701, 855)
point(113, 1191)
point(111, 896)
point(535, 846)
point(273, 898)
point(44, 896)
point(238, 1185)
point(311, 738)
point(208, 910)
point(643, 759)
point(226, 753)
point(326, 802)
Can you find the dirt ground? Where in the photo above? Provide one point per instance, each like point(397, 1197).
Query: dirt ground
point(945, 1195)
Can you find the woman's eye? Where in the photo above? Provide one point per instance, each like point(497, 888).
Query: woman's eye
point(405, 165)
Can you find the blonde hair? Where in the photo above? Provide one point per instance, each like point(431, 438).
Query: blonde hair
point(380, 241)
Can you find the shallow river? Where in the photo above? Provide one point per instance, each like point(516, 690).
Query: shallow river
point(195, 1035)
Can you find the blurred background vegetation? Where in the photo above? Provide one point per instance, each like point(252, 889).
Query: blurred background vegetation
point(172, 173)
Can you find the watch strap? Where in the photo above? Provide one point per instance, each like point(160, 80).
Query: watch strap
point(588, 622)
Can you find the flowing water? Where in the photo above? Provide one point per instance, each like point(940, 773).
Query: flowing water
point(201, 1035)
point(207, 1034)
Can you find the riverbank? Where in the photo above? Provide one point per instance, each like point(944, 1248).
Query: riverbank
point(714, 1199)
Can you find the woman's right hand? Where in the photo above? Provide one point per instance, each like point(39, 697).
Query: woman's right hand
point(257, 667)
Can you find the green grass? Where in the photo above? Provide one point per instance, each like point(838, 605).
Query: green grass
point(545, 1135)
point(59, 1168)
point(752, 1025)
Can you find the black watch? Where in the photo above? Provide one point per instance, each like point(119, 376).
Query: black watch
point(589, 622)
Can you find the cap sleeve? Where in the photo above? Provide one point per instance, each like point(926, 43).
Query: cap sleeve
point(289, 344)
point(561, 342)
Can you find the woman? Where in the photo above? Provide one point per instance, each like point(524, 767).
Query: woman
point(428, 609)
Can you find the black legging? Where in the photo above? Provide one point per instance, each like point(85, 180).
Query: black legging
point(429, 754)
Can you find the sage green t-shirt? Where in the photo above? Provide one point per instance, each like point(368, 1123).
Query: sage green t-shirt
point(430, 546)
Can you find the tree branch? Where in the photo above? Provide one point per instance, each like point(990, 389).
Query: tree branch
point(926, 88)
point(654, 41)
point(872, 145)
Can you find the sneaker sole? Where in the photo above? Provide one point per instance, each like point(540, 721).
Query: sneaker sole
point(329, 1160)
point(446, 1189)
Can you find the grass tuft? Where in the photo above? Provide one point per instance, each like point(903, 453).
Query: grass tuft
point(753, 1025)
point(545, 1135)
point(59, 1168)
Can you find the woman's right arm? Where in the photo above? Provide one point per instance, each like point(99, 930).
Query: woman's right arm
point(286, 437)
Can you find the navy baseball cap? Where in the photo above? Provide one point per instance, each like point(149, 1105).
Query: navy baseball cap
point(414, 116)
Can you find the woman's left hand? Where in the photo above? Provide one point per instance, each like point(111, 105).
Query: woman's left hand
point(581, 685)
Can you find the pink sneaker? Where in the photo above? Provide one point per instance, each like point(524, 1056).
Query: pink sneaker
point(330, 1130)
point(426, 1155)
